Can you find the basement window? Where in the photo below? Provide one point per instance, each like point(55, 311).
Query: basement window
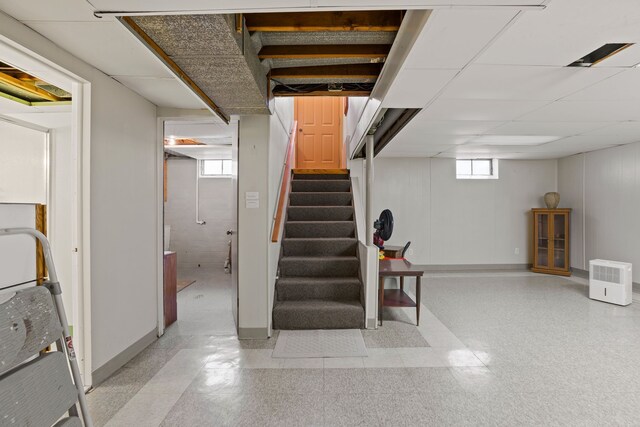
point(477, 168)
point(215, 168)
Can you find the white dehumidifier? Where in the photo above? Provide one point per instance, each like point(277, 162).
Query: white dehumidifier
point(610, 281)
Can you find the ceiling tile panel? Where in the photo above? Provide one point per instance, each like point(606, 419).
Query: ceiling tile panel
point(452, 37)
point(107, 46)
point(414, 88)
point(524, 82)
point(479, 109)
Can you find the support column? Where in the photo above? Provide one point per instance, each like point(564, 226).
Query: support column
point(369, 192)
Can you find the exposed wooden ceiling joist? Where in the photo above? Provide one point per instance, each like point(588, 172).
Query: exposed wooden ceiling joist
point(325, 21)
point(324, 93)
point(181, 141)
point(373, 51)
point(364, 71)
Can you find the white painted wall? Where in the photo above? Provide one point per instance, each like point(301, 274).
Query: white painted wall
point(262, 145)
point(608, 181)
point(17, 253)
point(459, 222)
point(205, 245)
point(253, 225)
point(123, 200)
point(23, 164)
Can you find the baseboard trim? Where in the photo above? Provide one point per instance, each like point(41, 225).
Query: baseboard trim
point(253, 333)
point(473, 267)
point(109, 368)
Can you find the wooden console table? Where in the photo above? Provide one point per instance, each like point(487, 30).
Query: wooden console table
point(398, 297)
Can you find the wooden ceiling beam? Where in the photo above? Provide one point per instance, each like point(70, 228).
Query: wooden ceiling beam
point(372, 51)
point(324, 93)
point(364, 71)
point(181, 141)
point(378, 20)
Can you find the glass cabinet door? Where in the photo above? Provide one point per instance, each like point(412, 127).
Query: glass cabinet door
point(542, 223)
point(559, 237)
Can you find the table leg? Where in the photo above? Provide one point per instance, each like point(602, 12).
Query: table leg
point(380, 298)
point(418, 289)
point(402, 283)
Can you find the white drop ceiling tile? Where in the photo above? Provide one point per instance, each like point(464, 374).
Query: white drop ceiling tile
point(480, 109)
point(619, 133)
point(199, 130)
point(585, 111)
point(578, 144)
point(417, 138)
point(402, 154)
point(547, 128)
point(200, 152)
point(108, 46)
point(622, 86)
point(452, 37)
point(449, 127)
point(414, 88)
point(523, 82)
point(50, 10)
point(165, 92)
point(564, 32)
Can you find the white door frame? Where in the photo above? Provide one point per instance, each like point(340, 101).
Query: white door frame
point(80, 90)
point(164, 115)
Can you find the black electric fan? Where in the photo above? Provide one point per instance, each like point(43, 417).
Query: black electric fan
point(384, 228)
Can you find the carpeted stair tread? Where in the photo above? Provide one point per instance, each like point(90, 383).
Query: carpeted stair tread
point(320, 246)
point(320, 213)
point(327, 288)
point(310, 266)
point(326, 185)
point(320, 199)
point(319, 284)
point(320, 176)
point(318, 314)
point(319, 229)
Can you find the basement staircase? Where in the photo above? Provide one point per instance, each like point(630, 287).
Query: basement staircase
point(319, 284)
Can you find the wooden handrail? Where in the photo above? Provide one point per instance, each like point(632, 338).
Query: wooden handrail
point(284, 185)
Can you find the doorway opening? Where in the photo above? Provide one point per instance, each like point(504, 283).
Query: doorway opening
point(44, 175)
point(200, 217)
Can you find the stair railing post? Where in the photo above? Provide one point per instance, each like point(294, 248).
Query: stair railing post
point(369, 190)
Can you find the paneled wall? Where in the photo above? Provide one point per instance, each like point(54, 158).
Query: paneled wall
point(205, 245)
point(461, 222)
point(608, 183)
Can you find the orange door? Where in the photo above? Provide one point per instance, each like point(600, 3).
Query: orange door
point(319, 142)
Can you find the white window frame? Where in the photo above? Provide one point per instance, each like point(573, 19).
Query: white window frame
point(201, 173)
point(493, 175)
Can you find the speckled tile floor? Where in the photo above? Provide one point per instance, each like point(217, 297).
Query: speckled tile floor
point(503, 349)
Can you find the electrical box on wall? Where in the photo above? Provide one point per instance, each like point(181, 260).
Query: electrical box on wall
point(610, 281)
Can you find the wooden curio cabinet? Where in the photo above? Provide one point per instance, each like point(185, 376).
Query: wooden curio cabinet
point(551, 241)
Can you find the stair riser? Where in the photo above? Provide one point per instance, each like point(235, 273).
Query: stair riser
point(320, 213)
point(329, 292)
point(319, 268)
point(303, 185)
point(309, 230)
point(319, 247)
point(322, 176)
point(320, 199)
point(318, 319)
